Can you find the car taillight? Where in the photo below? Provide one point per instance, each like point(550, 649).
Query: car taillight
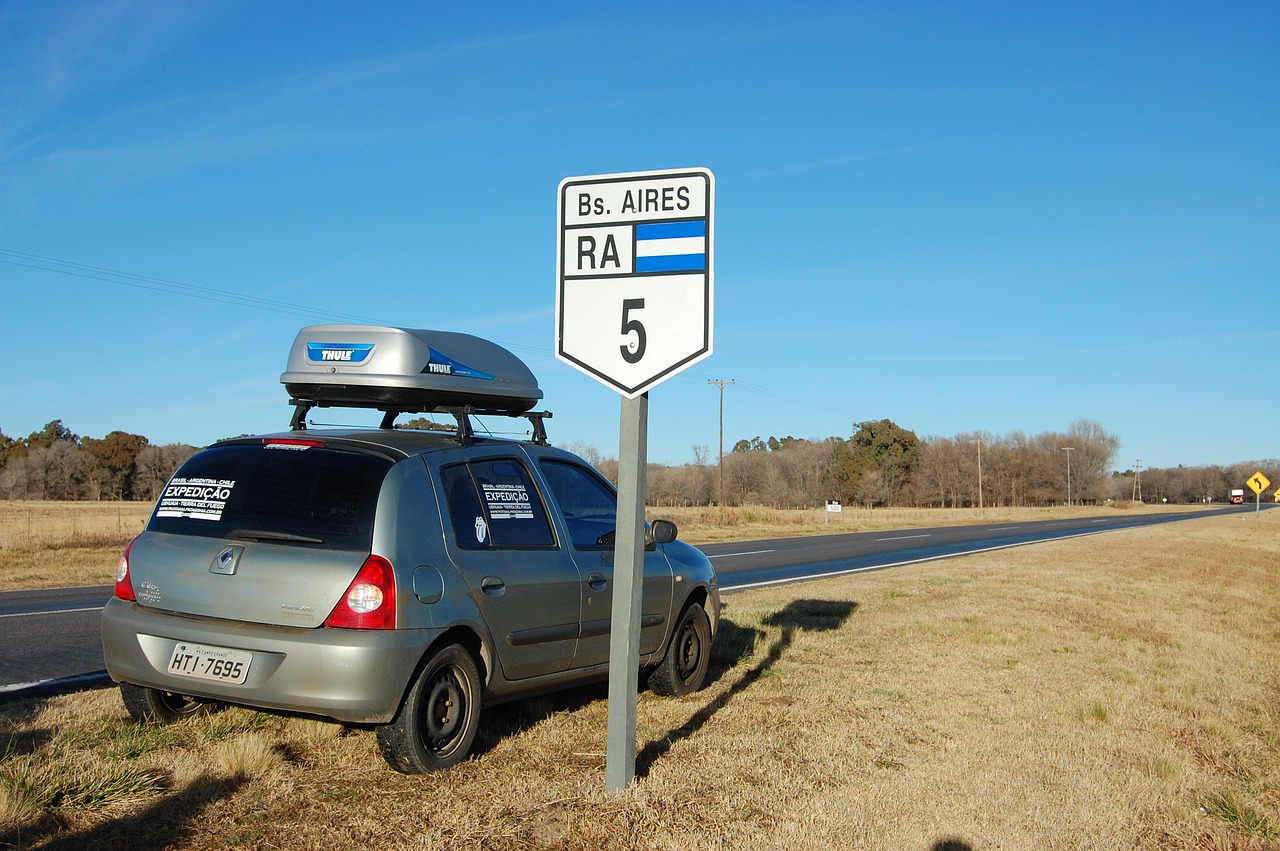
point(370, 601)
point(124, 582)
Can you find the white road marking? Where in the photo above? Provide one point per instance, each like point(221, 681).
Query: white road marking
point(53, 612)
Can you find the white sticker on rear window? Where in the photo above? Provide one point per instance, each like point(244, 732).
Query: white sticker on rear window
point(507, 502)
point(197, 499)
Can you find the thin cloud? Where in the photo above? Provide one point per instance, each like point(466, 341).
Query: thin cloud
point(73, 50)
point(325, 106)
point(846, 159)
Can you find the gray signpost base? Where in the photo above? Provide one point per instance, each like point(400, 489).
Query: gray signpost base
point(628, 580)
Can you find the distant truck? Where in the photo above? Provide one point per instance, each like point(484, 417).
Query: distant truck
point(1237, 496)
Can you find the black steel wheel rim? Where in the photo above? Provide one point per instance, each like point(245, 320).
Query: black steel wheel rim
point(181, 704)
point(446, 707)
point(690, 651)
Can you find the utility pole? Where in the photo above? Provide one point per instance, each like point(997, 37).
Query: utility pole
point(1068, 450)
point(978, 440)
point(721, 384)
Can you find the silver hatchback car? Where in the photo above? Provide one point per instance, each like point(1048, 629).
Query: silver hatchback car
point(392, 577)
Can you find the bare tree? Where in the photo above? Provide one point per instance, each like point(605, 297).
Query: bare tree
point(941, 474)
point(154, 466)
point(587, 452)
point(57, 470)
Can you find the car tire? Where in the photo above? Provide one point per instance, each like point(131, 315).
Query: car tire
point(683, 668)
point(156, 706)
point(437, 721)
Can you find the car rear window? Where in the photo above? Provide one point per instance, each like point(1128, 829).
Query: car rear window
point(278, 491)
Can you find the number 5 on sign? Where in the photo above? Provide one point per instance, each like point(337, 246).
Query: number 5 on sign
point(634, 275)
point(633, 349)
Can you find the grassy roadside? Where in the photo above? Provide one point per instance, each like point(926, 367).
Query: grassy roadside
point(48, 544)
point(1115, 691)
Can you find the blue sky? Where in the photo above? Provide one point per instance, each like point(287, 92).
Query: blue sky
point(999, 217)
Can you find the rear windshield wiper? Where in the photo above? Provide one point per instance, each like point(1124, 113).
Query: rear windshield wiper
point(265, 535)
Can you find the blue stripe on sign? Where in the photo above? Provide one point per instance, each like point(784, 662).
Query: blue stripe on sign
point(672, 263)
point(672, 230)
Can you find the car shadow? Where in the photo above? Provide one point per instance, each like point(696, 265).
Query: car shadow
point(161, 825)
point(739, 644)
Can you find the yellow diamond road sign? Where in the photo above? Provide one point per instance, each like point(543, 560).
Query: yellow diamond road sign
point(1258, 483)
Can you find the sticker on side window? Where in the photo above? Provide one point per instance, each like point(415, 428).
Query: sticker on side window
point(197, 499)
point(507, 502)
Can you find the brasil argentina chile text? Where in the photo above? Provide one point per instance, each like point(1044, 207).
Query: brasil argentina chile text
point(199, 488)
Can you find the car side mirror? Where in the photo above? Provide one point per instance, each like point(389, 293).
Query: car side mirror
point(662, 532)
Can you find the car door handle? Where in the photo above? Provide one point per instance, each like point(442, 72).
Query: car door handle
point(597, 581)
point(492, 585)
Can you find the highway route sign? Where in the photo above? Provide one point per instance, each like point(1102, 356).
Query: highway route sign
point(634, 275)
point(1258, 483)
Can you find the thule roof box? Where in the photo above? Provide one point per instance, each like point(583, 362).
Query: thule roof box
point(405, 370)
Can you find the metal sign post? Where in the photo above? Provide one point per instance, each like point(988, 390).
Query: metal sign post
point(633, 308)
point(628, 582)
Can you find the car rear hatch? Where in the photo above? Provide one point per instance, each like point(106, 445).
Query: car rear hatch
point(269, 532)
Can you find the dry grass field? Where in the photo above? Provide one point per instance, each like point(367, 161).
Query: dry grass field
point(41, 524)
point(1119, 691)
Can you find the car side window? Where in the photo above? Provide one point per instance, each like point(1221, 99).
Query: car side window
point(589, 506)
point(494, 505)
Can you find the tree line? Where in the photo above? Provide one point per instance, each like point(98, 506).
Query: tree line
point(879, 464)
point(884, 464)
point(55, 463)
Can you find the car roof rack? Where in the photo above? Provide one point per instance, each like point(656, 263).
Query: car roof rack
point(465, 430)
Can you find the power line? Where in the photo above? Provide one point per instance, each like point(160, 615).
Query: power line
point(789, 398)
point(146, 282)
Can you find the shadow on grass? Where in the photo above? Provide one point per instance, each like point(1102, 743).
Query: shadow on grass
point(15, 713)
point(23, 743)
point(515, 717)
point(161, 825)
point(734, 644)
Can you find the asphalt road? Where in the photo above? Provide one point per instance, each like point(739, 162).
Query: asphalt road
point(49, 635)
point(50, 641)
point(753, 563)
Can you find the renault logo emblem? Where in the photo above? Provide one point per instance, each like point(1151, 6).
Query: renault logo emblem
point(226, 561)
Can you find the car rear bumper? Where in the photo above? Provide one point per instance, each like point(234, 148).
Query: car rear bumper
point(350, 675)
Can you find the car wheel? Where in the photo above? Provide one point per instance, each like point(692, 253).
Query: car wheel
point(437, 722)
point(684, 667)
point(156, 706)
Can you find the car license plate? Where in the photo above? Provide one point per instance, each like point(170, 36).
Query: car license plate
point(210, 663)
